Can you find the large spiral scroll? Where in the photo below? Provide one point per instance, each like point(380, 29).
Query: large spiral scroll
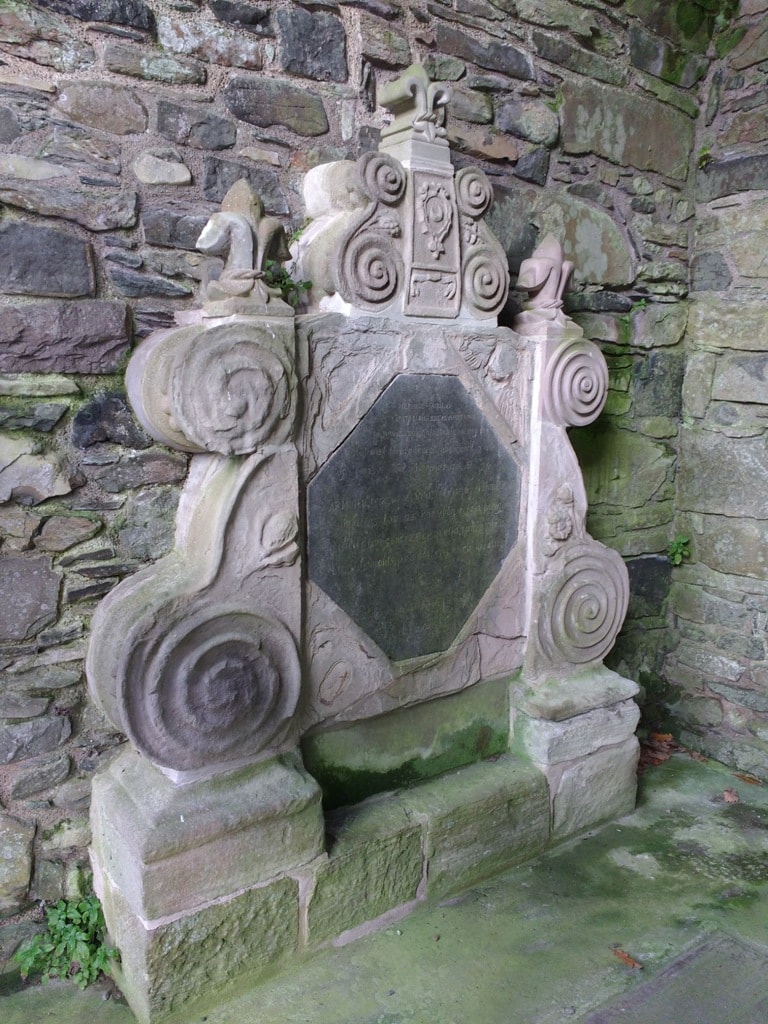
point(382, 177)
point(370, 271)
point(231, 392)
point(473, 192)
point(584, 606)
point(227, 389)
point(575, 383)
point(486, 282)
point(208, 686)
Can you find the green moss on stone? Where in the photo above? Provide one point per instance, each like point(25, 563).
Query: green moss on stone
point(409, 745)
point(689, 17)
point(725, 41)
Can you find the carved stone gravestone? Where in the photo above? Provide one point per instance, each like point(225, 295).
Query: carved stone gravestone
point(381, 577)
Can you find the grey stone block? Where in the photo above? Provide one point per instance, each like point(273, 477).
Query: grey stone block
point(375, 864)
point(312, 44)
point(29, 591)
point(170, 848)
point(594, 789)
point(480, 820)
point(169, 967)
point(86, 336)
point(15, 863)
point(191, 126)
point(36, 260)
point(266, 102)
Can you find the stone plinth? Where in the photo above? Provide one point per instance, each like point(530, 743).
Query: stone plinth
point(192, 876)
point(580, 734)
point(171, 848)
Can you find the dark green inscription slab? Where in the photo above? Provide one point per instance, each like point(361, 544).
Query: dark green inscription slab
point(410, 520)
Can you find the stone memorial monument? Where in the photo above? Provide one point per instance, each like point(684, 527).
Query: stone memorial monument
point(381, 587)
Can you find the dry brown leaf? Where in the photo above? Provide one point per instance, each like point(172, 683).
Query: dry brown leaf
point(730, 796)
point(661, 737)
point(627, 959)
point(752, 780)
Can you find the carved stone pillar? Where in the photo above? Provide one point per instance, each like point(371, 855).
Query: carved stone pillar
point(196, 659)
point(570, 714)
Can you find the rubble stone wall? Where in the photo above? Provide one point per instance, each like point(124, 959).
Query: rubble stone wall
point(123, 124)
point(717, 673)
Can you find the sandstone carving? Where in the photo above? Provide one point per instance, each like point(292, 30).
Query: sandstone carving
point(575, 382)
point(383, 510)
point(250, 240)
point(586, 605)
point(545, 276)
point(187, 657)
point(560, 520)
point(419, 246)
point(196, 658)
point(227, 387)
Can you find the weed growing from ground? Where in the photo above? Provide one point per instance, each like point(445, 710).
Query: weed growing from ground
point(72, 946)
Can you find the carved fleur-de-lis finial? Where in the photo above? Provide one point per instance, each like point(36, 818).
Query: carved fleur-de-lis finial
point(418, 105)
point(250, 240)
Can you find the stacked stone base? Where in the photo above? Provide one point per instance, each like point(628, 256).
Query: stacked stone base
point(210, 886)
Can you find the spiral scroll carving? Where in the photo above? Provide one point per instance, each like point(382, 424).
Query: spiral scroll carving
point(486, 282)
point(473, 192)
point(576, 383)
point(230, 393)
point(209, 687)
point(383, 177)
point(585, 606)
point(370, 270)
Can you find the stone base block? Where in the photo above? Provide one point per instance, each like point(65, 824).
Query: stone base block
point(169, 964)
point(547, 742)
point(375, 864)
point(564, 697)
point(593, 789)
point(580, 733)
point(479, 820)
point(171, 848)
point(437, 838)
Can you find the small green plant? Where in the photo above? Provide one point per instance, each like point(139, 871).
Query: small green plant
point(556, 102)
point(636, 307)
point(704, 157)
point(72, 946)
point(276, 275)
point(679, 549)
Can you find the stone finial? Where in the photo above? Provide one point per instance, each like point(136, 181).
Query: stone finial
point(250, 240)
point(545, 276)
point(418, 126)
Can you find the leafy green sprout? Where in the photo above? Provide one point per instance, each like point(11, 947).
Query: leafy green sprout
point(556, 102)
point(636, 307)
point(679, 549)
point(704, 157)
point(72, 947)
point(277, 275)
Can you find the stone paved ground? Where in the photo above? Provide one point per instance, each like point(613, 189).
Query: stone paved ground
point(537, 944)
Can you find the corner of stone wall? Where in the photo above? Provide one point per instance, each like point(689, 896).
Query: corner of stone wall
point(717, 668)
